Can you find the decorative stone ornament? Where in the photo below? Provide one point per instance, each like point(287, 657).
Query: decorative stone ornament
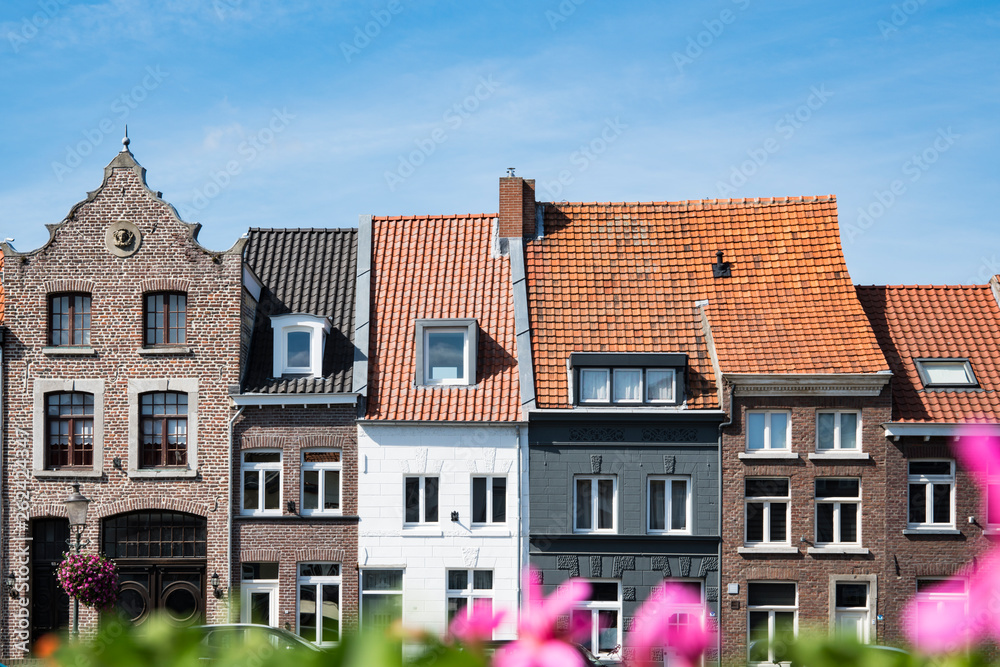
point(122, 238)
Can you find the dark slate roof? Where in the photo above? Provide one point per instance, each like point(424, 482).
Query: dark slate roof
point(303, 271)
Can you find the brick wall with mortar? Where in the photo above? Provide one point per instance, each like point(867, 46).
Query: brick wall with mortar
point(290, 538)
point(811, 572)
point(77, 251)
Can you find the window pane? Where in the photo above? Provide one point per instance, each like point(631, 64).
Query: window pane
point(260, 608)
point(918, 503)
point(603, 591)
point(779, 430)
point(838, 488)
point(456, 606)
point(331, 613)
point(262, 457)
point(310, 490)
point(254, 571)
point(307, 611)
point(584, 521)
point(766, 487)
point(755, 430)
point(272, 489)
point(607, 632)
point(325, 456)
point(930, 467)
point(757, 644)
point(482, 580)
point(852, 595)
point(628, 385)
point(659, 386)
point(824, 430)
point(946, 372)
point(593, 385)
point(755, 522)
point(678, 505)
point(331, 490)
point(760, 594)
point(848, 430)
point(779, 522)
point(382, 580)
point(446, 355)
point(298, 343)
point(848, 522)
point(412, 499)
point(478, 500)
point(657, 504)
point(605, 503)
point(251, 490)
point(784, 635)
point(942, 503)
point(993, 503)
point(430, 499)
point(458, 580)
point(499, 499)
point(582, 618)
point(824, 522)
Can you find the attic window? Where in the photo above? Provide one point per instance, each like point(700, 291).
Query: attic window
point(946, 373)
point(299, 342)
point(627, 378)
point(446, 351)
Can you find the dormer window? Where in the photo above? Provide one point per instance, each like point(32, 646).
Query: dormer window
point(628, 379)
point(299, 342)
point(946, 373)
point(446, 352)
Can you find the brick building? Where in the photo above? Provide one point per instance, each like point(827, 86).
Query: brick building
point(941, 344)
point(120, 336)
point(294, 464)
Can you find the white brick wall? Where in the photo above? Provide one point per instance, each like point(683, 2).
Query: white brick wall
point(455, 454)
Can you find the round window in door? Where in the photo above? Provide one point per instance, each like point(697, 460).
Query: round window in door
point(181, 602)
point(133, 602)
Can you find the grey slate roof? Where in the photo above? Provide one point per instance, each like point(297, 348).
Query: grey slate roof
point(303, 271)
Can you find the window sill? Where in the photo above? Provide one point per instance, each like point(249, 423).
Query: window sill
point(835, 549)
point(767, 550)
point(421, 531)
point(267, 514)
point(153, 473)
point(320, 515)
point(419, 385)
point(166, 349)
point(772, 454)
point(489, 531)
point(931, 531)
point(68, 351)
point(42, 474)
point(839, 456)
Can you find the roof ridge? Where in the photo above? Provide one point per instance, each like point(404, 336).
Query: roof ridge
point(923, 287)
point(302, 229)
point(755, 201)
point(436, 216)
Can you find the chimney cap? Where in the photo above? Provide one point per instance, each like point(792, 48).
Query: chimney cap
point(510, 172)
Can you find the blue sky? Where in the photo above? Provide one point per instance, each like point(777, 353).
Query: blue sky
point(306, 114)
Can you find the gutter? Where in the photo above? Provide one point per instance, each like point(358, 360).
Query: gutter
point(260, 400)
point(229, 508)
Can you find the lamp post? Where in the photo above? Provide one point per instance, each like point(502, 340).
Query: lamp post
point(76, 510)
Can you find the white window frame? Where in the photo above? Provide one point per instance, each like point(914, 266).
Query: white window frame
point(489, 500)
point(250, 586)
point(470, 594)
point(837, 502)
point(771, 609)
point(609, 374)
point(940, 598)
point(261, 468)
point(786, 446)
point(363, 592)
point(673, 386)
point(321, 468)
point(594, 606)
point(923, 366)
point(320, 581)
point(316, 327)
point(606, 372)
point(467, 326)
point(642, 386)
point(929, 481)
point(842, 611)
point(594, 501)
point(837, 444)
point(766, 501)
point(422, 501)
point(668, 501)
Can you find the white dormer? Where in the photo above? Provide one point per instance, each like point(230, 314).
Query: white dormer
point(299, 341)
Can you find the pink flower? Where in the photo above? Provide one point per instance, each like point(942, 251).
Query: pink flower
point(672, 617)
point(476, 627)
point(540, 643)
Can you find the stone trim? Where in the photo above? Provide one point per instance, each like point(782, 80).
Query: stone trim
point(319, 554)
point(164, 285)
point(260, 556)
point(188, 386)
point(68, 285)
point(150, 502)
point(42, 387)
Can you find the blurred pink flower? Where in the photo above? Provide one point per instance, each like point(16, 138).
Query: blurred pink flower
point(660, 623)
point(540, 643)
point(477, 626)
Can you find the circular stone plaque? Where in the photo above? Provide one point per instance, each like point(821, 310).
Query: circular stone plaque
point(123, 238)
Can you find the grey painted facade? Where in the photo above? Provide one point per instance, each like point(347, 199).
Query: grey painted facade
point(632, 448)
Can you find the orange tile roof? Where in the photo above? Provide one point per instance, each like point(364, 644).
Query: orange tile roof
point(625, 278)
point(440, 267)
point(938, 321)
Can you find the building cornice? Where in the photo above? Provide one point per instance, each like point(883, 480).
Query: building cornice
point(819, 384)
point(294, 399)
point(896, 430)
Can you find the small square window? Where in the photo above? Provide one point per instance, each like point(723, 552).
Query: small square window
point(946, 372)
point(594, 385)
point(838, 430)
point(660, 385)
point(628, 385)
point(768, 430)
point(446, 352)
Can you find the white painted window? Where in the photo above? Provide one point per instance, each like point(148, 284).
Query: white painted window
point(446, 351)
point(838, 430)
point(489, 500)
point(942, 597)
point(627, 385)
point(946, 372)
point(767, 502)
point(772, 621)
point(768, 430)
point(852, 609)
point(420, 499)
point(261, 482)
point(838, 511)
point(321, 481)
point(600, 619)
point(381, 599)
point(595, 504)
point(661, 384)
point(318, 602)
point(259, 594)
point(594, 387)
point(299, 343)
point(931, 484)
point(468, 590)
point(669, 505)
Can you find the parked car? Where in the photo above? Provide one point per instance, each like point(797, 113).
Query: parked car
point(226, 636)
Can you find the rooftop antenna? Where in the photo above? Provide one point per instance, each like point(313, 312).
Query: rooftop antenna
point(125, 140)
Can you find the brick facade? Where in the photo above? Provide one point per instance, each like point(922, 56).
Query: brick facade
point(80, 257)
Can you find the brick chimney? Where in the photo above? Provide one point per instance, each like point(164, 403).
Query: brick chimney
point(517, 206)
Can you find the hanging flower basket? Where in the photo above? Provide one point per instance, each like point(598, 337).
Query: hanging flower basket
point(90, 578)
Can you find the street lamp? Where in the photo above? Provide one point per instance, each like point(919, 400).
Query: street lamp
point(76, 510)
